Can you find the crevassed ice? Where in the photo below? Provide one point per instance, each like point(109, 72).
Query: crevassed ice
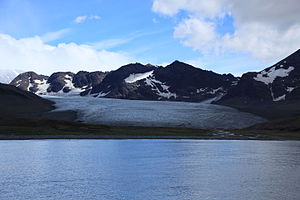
point(136, 77)
point(268, 77)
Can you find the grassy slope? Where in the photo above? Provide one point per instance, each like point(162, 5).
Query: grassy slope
point(287, 127)
point(43, 128)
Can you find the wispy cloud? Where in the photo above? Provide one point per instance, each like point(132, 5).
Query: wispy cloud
point(111, 43)
point(115, 42)
point(155, 21)
point(83, 18)
point(52, 36)
point(95, 17)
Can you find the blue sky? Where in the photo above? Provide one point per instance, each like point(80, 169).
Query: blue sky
point(132, 29)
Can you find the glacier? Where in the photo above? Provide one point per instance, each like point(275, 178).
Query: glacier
point(120, 112)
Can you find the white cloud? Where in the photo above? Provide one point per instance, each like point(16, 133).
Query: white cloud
point(33, 54)
point(263, 42)
point(209, 8)
point(81, 19)
point(268, 30)
point(114, 42)
point(195, 31)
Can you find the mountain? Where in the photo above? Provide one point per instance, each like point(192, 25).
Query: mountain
point(177, 81)
point(6, 76)
point(16, 102)
point(274, 87)
point(32, 82)
point(58, 83)
point(272, 93)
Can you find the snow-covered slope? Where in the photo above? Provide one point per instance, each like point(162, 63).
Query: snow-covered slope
point(161, 89)
point(268, 76)
point(138, 76)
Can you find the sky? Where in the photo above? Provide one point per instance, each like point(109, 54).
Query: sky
point(226, 36)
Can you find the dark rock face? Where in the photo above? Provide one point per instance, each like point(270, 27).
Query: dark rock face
point(178, 81)
point(59, 81)
point(114, 85)
point(194, 84)
point(90, 79)
point(276, 84)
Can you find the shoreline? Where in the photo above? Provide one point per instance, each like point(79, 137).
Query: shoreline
point(53, 129)
point(120, 137)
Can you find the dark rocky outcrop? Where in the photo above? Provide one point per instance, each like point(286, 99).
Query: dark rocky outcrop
point(90, 79)
point(16, 102)
point(193, 84)
point(114, 85)
point(59, 82)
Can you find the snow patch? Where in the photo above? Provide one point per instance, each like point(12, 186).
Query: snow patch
point(267, 77)
point(153, 83)
point(280, 98)
point(209, 90)
point(290, 89)
point(216, 90)
point(42, 86)
point(234, 82)
point(136, 77)
point(103, 94)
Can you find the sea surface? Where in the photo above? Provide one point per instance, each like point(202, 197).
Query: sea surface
point(155, 113)
point(149, 170)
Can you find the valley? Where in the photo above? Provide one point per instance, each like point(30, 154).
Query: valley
point(178, 97)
